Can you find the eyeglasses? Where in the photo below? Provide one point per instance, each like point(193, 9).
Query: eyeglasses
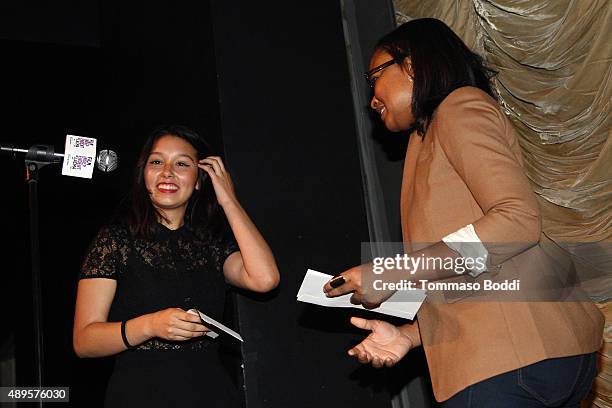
point(372, 79)
point(368, 75)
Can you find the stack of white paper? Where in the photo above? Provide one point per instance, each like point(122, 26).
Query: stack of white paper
point(311, 291)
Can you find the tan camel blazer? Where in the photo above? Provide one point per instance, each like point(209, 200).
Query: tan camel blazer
point(468, 170)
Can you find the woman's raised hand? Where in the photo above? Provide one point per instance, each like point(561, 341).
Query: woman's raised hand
point(176, 324)
point(221, 180)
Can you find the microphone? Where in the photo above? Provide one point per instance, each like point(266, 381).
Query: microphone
point(106, 161)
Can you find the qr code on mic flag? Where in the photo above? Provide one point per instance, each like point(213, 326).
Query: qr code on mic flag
point(79, 156)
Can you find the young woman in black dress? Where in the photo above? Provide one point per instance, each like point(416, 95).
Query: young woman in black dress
point(168, 254)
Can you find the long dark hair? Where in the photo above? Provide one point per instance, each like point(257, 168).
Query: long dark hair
point(441, 63)
point(202, 212)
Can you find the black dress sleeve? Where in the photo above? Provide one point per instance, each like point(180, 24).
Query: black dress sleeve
point(106, 257)
point(224, 247)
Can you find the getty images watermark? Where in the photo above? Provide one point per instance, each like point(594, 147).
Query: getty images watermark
point(506, 271)
point(459, 266)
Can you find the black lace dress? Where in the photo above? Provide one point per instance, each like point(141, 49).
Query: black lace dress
point(175, 269)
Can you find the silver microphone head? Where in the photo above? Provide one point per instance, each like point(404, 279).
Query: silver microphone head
point(107, 160)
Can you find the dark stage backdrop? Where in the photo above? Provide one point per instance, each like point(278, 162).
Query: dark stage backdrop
point(111, 70)
point(291, 143)
point(289, 133)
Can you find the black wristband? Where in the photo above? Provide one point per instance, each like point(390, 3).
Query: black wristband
point(124, 337)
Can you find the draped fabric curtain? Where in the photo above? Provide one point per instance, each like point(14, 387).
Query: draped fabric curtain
point(554, 82)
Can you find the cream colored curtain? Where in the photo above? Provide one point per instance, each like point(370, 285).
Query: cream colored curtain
point(554, 83)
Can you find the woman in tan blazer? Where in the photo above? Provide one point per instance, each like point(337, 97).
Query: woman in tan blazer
point(464, 191)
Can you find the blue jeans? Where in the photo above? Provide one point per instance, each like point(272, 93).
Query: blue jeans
point(557, 382)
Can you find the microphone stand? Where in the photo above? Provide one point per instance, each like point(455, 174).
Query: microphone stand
point(36, 158)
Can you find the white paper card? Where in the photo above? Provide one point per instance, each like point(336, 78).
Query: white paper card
point(212, 322)
point(403, 304)
point(79, 156)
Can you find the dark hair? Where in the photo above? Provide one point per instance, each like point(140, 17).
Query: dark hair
point(441, 63)
point(140, 214)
